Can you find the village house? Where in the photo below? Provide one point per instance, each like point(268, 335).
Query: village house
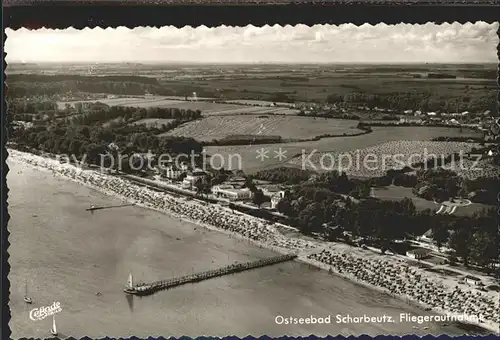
point(410, 120)
point(271, 190)
point(231, 193)
point(426, 237)
point(451, 114)
point(194, 177)
point(171, 171)
point(236, 181)
point(275, 200)
point(275, 193)
point(472, 280)
point(419, 253)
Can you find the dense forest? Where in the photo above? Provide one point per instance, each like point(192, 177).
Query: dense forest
point(20, 85)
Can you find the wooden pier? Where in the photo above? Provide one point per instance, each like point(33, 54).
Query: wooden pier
point(150, 288)
point(109, 207)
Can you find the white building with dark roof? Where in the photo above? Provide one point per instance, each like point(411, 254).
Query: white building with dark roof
point(231, 193)
point(419, 253)
point(472, 280)
point(194, 177)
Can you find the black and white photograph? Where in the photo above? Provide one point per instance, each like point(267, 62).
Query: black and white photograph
point(272, 180)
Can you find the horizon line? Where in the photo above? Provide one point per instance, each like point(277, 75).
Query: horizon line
point(249, 62)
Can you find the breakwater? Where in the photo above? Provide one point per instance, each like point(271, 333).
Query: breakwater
point(109, 207)
point(150, 288)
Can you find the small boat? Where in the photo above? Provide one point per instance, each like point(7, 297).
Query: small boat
point(129, 288)
point(53, 330)
point(27, 299)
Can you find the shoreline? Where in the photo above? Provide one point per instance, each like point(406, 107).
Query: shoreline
point(256, 231)
point(406, 299)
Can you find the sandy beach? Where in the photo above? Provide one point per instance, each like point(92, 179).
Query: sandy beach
point(390, 274)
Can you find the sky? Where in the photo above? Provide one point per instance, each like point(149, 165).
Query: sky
point(402, 43)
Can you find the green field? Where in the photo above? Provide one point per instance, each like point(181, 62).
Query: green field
point(206, 107)
point(251, 164)
point(374, 161)
point(125, 101)
point(396, 193)
point(292, 127)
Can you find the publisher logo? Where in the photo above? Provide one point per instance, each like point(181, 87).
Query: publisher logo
point(41, 313)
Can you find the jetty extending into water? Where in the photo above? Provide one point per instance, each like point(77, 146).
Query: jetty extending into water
point(150, 288)
point(109, 207)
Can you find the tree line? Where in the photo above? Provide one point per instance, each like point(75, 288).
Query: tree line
point(284, 175)
point(23, 85)
point(85, 134)
point(41, 78)
point(477, 101)
point(129, 114)
point(25, 88)
point(320, 205)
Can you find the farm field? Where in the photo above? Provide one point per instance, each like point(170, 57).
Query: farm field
point(251, 164)
point(126, 101)
point(262, 84)
point(153, 122)
point(258, 102)
point(207, 107)
point(251, 110)
point(210, 108)
point(483, 168)
point(374, 161)
point(396, 193)
point(317, 88)
point(217, 127)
